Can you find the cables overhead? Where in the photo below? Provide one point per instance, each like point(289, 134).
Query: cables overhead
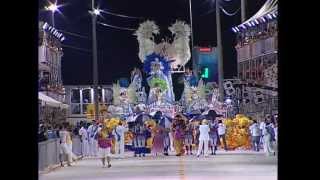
point(227, 13)
point(116, 27)
point(120, 15)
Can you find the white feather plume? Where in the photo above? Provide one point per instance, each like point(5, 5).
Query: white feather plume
point(145, 35)
point(181, 32)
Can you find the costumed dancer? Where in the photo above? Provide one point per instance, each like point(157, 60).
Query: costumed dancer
point(166, 125)
point(69, 143)
point(158, 138)
point(268, 138)
point(213, 136)
point(139, 140)
point(213, 133)
point(222, 134)
point(93, 143)
point(84, 139)
point(64, 150)
point(255, 135)
point(118, 132)
point(104, 142)
point(188, 138)
point(178, 128)
point(203, 138)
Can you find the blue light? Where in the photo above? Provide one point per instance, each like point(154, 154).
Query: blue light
point(249, 24)
point(274, 15)
point(243, 26)
point(257, 22)
point(269, 16)
point(263, 19)
point(237, 29)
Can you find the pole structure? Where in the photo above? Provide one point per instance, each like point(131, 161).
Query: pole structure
point(243, 10)
point(191, 28)
point(95, 63)
point(52, 18)
point(220, 50)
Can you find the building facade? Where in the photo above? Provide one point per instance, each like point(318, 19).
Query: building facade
point(80, 97)
point(257, 56)
point(50, 53)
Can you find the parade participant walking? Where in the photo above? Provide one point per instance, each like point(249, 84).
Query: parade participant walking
point(69, 143)
point(213, 133)
point(118, 132)
point(255, 135)
point(139, 140)
point(93, 143)
point(84, 139)
point(104, 142)
point(158, 139)
point(268, 138)
point(222, 134)
point(203, 138)
point(64, 150)
point(188, 138)
point(178, 128)
point(213, 136)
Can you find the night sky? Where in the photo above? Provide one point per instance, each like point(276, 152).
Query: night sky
point(118, 49)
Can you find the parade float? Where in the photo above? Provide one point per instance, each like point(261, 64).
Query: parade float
point(132, 105)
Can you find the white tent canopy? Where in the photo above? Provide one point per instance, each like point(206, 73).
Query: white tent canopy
point(50, 101)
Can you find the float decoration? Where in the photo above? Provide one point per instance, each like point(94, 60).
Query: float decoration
point(237, 135)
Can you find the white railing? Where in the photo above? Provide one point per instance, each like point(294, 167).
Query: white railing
point(48, 152)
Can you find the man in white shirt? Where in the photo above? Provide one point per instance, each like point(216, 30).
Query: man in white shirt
point(64, 149)
point(255, 135)
point(118, 132)
point(84, 140)
point(93, 143)
point(203, 138)
point(222, 134)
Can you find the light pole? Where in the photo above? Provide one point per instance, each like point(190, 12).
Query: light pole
point(95, 13)
point(220, 51)
point(243, 10)
point(53, 8)
point(190, 11)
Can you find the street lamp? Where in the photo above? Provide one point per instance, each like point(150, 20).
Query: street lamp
point(220, 51)
point(94, 13)
point(53, 8)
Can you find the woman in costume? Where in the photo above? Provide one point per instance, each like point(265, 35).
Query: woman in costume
point(188, 138)
point(104, 142)
point(158, 145)
point(178, 128)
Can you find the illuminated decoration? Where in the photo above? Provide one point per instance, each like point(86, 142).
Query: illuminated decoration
point(53, 31)
point(205, 73)
point(228, 87)
point(205, 49)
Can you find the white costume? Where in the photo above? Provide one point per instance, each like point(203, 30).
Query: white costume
point(267, 142)
point(85, 141)
point(64, 149)
point(203, 139)
point(119, 136)
point(93, 143)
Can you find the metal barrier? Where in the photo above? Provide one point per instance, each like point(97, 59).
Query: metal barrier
point(49, 152)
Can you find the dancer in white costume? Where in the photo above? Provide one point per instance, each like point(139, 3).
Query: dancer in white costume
point(93, 143)
point(84, 140)
point(203, 138)
point(118, 132)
